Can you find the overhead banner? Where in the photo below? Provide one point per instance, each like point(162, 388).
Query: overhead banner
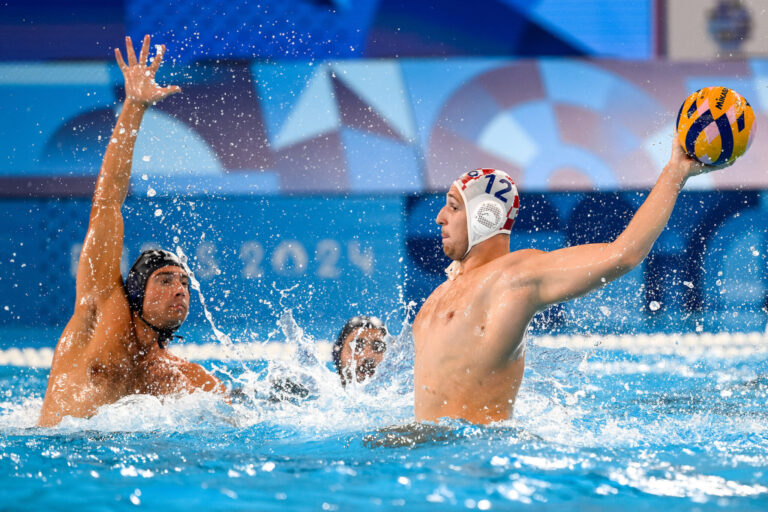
point(368, 126)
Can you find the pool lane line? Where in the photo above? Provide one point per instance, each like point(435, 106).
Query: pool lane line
point(716, 345)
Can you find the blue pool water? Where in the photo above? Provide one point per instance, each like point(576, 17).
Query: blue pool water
point(593, 430)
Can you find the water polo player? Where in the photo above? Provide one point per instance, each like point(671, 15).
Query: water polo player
point(469, 334)
point(114, 344)
point(359, 348)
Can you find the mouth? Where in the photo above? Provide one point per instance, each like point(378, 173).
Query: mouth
point(178, 307)
point(366, 369)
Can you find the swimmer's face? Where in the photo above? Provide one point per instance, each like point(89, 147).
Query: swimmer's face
point(452, 219)
point(166, 299)
point(361, 353)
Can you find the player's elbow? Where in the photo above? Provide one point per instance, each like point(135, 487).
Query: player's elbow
point(628, 258)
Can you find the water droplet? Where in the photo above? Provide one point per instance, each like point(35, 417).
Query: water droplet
point(654, 305)
point(146, 158)
point(151, 192)
point(158, 212)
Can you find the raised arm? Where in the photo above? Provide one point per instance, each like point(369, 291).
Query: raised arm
point(98, 271)
point(568, 273)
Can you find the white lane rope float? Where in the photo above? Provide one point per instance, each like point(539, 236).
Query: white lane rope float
point(715, 345)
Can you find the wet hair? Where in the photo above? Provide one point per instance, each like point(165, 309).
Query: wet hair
point(361, 322)
point(136, 285)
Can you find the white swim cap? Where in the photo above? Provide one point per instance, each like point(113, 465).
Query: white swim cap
point(491, 199)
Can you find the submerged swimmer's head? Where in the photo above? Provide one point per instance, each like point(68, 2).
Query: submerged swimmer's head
point(157, 287)
point(480, 204)
point(359, 348)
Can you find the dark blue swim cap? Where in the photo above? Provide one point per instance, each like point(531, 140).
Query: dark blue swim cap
point(361, 322)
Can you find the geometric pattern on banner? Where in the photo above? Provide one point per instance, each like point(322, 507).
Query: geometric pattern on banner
point(307, 30)
point(335, 29)
point(585, 125)
point(553, 124)
point(599, 27)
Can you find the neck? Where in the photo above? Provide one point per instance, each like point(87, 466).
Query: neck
point(485, 252)
point(145, 334)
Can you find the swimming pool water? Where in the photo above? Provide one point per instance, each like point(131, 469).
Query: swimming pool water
point(593, 430)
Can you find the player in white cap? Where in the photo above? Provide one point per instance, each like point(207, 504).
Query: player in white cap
point(469, 334)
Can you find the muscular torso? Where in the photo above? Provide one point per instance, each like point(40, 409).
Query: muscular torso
point(468, 336)
point(98, 361)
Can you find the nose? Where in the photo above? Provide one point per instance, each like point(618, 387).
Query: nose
point(441, 217)
point(181, 289)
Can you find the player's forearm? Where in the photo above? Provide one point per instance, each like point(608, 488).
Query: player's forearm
point(114, 177)
point(651, 218)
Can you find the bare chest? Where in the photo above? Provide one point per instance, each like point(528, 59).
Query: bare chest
point(472, 323)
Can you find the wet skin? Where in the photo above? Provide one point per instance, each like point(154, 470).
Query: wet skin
point(107, 352)
point(361, 353)
point(469, 327)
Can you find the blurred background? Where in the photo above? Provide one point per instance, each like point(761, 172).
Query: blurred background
point(305, 161)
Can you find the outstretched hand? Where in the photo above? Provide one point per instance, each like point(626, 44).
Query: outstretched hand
point(140, 83)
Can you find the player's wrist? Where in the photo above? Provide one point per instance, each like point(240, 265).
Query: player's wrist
point(677, 174)
point(136, 103)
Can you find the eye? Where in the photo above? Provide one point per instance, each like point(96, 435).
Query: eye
point(378, 346)
point(358, 346)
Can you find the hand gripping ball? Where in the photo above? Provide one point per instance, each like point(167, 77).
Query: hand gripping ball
point(715, 125)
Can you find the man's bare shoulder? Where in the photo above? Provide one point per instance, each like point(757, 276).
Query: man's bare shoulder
point(518, 266)
point(519, 258)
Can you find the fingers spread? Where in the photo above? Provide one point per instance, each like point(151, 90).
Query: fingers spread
point(120, 61)
point(130, 52)
point(144, 51)
point(160, 50)
point(171, 89)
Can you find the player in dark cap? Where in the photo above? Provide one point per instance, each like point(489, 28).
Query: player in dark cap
point(359, 348)
point(114, 344)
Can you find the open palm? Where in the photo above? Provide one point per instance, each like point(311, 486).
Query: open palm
point(140, 85)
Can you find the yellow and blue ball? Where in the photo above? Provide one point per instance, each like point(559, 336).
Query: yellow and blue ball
point(715, 125)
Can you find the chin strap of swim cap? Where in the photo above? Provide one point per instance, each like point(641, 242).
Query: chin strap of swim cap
point(163, 335)
point(491, 200)
point(136, 286)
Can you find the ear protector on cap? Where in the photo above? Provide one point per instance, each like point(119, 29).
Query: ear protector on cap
point(492, 202)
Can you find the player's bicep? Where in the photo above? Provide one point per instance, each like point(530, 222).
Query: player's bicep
point(568, 273)
point(98, 270)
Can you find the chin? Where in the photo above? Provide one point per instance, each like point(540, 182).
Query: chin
point(451, 254)
point(174, 323)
